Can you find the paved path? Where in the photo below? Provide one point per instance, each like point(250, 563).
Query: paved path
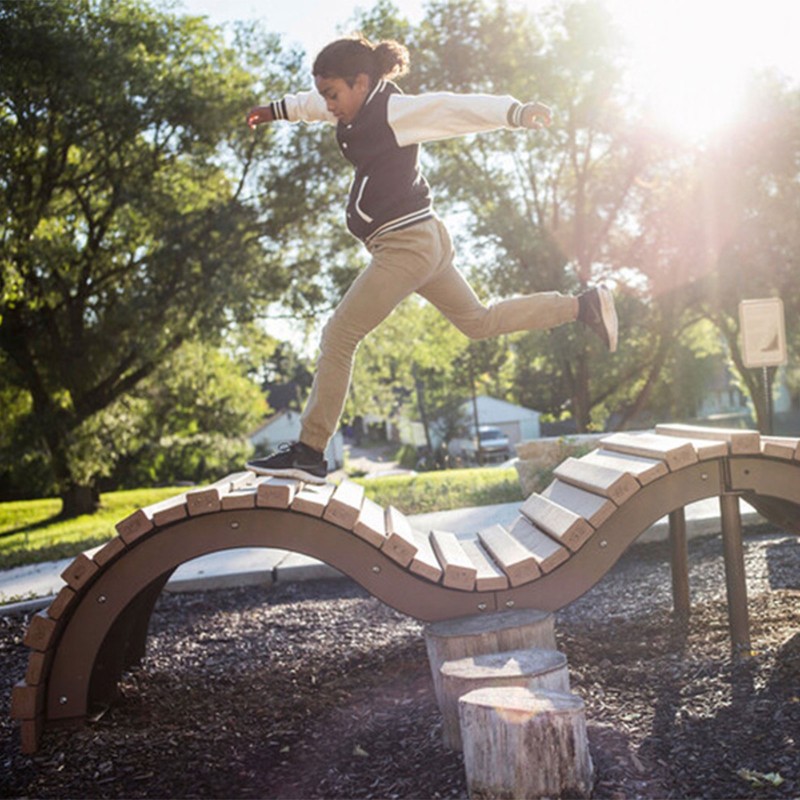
point(32, 587)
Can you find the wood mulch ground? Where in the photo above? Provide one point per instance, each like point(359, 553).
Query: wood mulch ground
point(318, 691)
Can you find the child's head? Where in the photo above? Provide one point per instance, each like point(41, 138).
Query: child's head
point(346, 70)
point(353, 56)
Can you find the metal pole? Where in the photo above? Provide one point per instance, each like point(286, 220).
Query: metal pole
point(734, 574)
point(679, 559)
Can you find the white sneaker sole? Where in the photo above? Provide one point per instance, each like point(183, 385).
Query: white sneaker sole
point(289, 472)
point(609, 314)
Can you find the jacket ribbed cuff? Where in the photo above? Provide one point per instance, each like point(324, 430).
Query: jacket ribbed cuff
point(514, 116)
point(278, 108)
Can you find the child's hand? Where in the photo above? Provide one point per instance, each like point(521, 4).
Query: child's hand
point(259, 116)
point(536, 115)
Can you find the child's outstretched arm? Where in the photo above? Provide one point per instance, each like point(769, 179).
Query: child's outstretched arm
point(441, 115)
point(300, 107)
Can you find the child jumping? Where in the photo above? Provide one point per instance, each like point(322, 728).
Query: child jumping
point(390, 209)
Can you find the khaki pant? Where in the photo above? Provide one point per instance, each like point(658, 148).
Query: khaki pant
point(416, 259)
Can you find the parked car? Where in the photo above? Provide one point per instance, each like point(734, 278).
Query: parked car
point(490, 444)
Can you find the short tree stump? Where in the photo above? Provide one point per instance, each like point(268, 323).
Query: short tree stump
point(525, 743)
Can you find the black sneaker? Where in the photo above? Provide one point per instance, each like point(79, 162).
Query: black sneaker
point(596, 311)
point(295, 460)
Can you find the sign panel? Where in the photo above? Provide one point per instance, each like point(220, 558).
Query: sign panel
point(763, 332)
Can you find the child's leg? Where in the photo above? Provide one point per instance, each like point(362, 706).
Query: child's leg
point(401, 262)
point(453, 296)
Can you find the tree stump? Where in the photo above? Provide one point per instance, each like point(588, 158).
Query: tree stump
point(452, 639)
point(523, 743)
point(532, 669)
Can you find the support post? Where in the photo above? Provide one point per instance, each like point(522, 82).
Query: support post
point(679, 560)
point(735, 582)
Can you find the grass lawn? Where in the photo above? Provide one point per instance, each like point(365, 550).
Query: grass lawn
point(30, 531)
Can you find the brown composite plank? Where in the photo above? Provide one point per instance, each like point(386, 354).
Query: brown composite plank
point(518, 563)
point(612, 483)
point(563, 524)
point(594, 508)
point(459, 571)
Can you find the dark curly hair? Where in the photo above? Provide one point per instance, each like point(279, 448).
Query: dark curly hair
point(347, 58)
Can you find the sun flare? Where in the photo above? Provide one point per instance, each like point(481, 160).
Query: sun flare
point(691, 59)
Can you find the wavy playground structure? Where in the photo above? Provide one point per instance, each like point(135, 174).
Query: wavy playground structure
point(563, 541)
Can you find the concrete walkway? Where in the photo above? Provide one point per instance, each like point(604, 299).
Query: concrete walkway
point(32, 587)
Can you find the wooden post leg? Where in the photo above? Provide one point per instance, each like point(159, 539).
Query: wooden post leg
point(679, 559)
point(734, 574)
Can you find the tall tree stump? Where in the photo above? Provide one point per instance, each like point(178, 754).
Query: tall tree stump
point(535, 668)
point(497, 632)
point(523, 743)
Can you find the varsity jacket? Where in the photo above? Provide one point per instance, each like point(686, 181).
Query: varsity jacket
point(389, 191)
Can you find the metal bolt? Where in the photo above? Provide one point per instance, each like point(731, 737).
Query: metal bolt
point(509, 603)
point(603, 543)
point(63, 699)
point(704, 476)
point(482, 606)
point(234, 525)
point(101, 599)
point(376, 569)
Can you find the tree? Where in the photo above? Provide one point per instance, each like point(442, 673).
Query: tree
point(123, 234)
point(548, 211)
point(187, 422)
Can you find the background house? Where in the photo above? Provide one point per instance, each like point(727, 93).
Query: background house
point(516, 422)
point(285, 427)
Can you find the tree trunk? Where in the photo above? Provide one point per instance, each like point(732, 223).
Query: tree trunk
point(77, 500)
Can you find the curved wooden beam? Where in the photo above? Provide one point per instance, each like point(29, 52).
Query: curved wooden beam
point(563, 542)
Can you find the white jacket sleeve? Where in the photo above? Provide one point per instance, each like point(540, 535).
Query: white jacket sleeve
point(441, 115)
point(304, 107)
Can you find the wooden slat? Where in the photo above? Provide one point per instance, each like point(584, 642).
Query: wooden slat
point(345, 504)
point(741, 442)
point(167, 511)
point(39, 663)
point(645, 470)
point(594, 508)
point(313, 499)
point(547, 552)
point(40, 631)
point(27, 702)
point(371, 523)
point(203, 501)
point(400, 544)
point(208, 500)
point(458, 570)
point(30, 734)
point(63, 600)
point(274, 492)
point(488, 575)
point(563, 524)
point(514, 558)
point(617, 486)
point(134, 526)
point(238, 499)
point(784, 447)
point(112, 549)
point(425, 563)
point(80, 572)
point(677, 453)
